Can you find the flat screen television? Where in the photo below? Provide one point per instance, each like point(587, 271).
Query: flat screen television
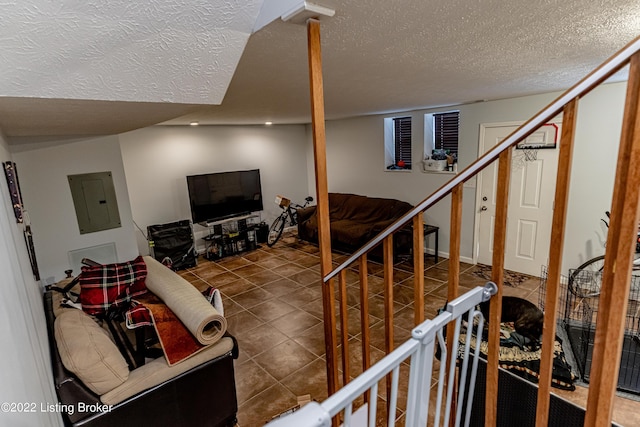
point(216, 196)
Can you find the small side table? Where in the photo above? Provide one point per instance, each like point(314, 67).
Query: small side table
point(432, 229)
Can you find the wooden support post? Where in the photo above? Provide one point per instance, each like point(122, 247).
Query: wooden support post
point(387, 250)
point(454, 242)
point(559, 221)
point(364, 318)
point(387, 246)
point(344, 327)
point(322, 197)
point(418, 269)
point(497, 276)
point(618, 260)
point(454, 278)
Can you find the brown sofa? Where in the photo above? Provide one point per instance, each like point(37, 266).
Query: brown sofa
point(355, 220)
point(103, 391)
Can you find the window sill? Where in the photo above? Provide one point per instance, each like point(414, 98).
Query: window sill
point(398, 170)
point(441, 172)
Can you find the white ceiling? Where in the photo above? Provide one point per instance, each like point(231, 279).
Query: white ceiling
point(73, 69)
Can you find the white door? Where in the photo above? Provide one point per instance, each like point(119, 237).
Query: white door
point(531, 195)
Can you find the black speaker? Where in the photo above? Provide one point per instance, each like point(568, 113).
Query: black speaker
point(262, 231)
point(172, 244)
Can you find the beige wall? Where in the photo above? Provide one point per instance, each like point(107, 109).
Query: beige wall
point(158, 159)
point(47, 197)
point(24, 360)
point(355, 163)
point(153, 163)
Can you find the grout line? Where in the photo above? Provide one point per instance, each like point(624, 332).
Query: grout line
point(281, 253)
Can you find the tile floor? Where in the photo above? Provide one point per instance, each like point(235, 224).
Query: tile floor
point(273, 304)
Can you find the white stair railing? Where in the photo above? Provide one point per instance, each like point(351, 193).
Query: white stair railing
point(420, 348)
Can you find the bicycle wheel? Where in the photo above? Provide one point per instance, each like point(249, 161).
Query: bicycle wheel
point(276, 230)
point(597, 264)
point(585, 280)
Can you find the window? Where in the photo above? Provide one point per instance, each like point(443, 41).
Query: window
point(445, 131)
point(441, 141)
point(398, 143)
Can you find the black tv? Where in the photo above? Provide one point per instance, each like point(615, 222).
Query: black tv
point(216, 196)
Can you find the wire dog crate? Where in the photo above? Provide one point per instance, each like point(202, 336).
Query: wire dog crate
point(579, 297)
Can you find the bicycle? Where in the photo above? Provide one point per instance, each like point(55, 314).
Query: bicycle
point(584, 281)
point(289, 214)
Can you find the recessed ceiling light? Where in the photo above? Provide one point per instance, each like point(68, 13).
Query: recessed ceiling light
point(194, 123)
point(268, 123)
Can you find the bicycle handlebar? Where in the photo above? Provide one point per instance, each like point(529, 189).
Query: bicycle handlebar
point(291, 204)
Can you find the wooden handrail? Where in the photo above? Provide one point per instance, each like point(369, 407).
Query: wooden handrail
point(584, 86)
point(615, 284)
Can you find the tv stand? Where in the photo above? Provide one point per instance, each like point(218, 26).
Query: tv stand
point(230, 219)
point(231, 236)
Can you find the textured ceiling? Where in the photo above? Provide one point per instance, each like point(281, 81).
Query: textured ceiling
point(164, 61)
point(140, 51)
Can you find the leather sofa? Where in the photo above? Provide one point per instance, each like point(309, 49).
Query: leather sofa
point(355, 220)
point(199, 391)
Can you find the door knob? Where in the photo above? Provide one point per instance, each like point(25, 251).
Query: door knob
point(484, 208)
point(484, 199)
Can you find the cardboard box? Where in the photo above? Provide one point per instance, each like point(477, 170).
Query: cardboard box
point(302, 400)
point(282, 201)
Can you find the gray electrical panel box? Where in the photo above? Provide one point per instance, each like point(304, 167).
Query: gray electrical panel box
point(94, 199)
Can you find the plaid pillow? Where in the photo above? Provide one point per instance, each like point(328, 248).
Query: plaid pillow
point(111, 284)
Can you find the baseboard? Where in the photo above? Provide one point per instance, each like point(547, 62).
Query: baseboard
point(444, 255)
point(466, 259)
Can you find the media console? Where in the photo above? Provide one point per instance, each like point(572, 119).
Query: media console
point(232, 236)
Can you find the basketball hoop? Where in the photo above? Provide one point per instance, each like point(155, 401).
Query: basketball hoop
point(524, 154)
point(530, 154)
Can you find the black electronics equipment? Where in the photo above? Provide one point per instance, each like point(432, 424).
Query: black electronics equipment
point(172, 244)
point(221, 195)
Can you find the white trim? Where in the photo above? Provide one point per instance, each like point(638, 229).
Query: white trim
point(445, 255)
point(478, 199)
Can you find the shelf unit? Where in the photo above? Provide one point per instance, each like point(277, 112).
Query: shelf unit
point(231, 236)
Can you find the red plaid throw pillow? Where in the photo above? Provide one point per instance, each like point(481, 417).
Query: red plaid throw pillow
point(111, 284)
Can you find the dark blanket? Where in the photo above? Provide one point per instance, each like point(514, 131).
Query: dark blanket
point(516, 357)
point(355, 220)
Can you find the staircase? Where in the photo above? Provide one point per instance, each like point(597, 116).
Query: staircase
point(616, 275)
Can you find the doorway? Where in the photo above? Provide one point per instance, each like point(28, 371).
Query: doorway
point(531, 197)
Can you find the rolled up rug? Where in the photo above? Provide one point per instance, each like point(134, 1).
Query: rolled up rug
point(205, 323)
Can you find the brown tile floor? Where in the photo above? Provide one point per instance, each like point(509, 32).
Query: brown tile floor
point(273, 304)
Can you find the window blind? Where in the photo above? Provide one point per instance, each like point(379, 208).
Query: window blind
point(402, 135)
point(446, 131)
